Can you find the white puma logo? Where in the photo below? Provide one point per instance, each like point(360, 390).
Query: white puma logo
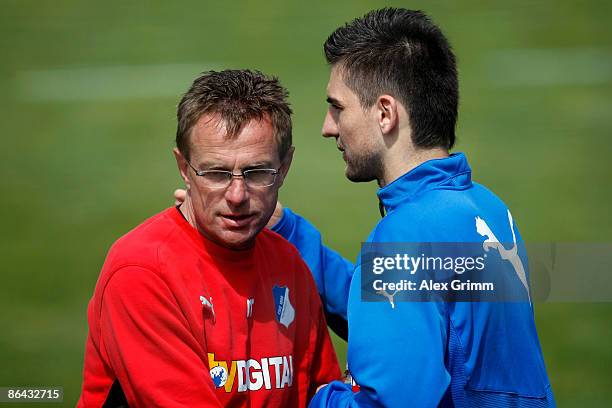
point(250, 302)
point(510, 255)
point(209, 304)
point(388, 296)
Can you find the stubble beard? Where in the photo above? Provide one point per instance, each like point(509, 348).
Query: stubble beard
point(364, 168)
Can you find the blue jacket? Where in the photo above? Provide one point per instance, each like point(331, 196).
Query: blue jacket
point(428, 354)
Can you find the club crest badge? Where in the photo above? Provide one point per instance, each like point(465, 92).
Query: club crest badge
point(284, 311)
point(219, 376)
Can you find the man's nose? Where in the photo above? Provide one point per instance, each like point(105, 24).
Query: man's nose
point(237, 192)
point(330, 129)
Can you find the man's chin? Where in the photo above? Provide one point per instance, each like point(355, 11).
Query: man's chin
point(357, 177)
point(364, 169)
point(240, 238)
point(237, 241)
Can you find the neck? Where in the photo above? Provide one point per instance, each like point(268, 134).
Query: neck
point(186, 208)
point(396, 165)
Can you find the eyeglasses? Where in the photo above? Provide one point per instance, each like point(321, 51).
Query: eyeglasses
point(223, 178)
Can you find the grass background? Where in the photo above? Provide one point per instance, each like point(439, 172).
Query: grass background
point(87, 117)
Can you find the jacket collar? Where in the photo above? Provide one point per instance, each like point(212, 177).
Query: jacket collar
point(449, 173)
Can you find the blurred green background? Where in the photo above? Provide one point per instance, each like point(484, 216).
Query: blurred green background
point(87, 117)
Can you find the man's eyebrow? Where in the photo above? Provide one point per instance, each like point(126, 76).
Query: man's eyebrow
point(333, 101)
point(211, 165)
point(260, 165)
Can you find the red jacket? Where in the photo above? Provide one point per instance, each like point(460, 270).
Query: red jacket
point(178, 321)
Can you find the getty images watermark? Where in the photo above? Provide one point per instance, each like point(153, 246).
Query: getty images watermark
point(486, 272)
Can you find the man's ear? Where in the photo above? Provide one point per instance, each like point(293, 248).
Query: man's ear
point(183, 166)
point(387, 113)
point(284, 168)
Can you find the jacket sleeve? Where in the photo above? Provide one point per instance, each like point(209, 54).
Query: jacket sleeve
point(331, 272)
point(155, 356)
point(396, 354)
point(324, 364)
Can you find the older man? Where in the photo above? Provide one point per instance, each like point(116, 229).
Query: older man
point(200, 306)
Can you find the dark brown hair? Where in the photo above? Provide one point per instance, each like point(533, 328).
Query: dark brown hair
point(402, 53)
point(237, 97)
